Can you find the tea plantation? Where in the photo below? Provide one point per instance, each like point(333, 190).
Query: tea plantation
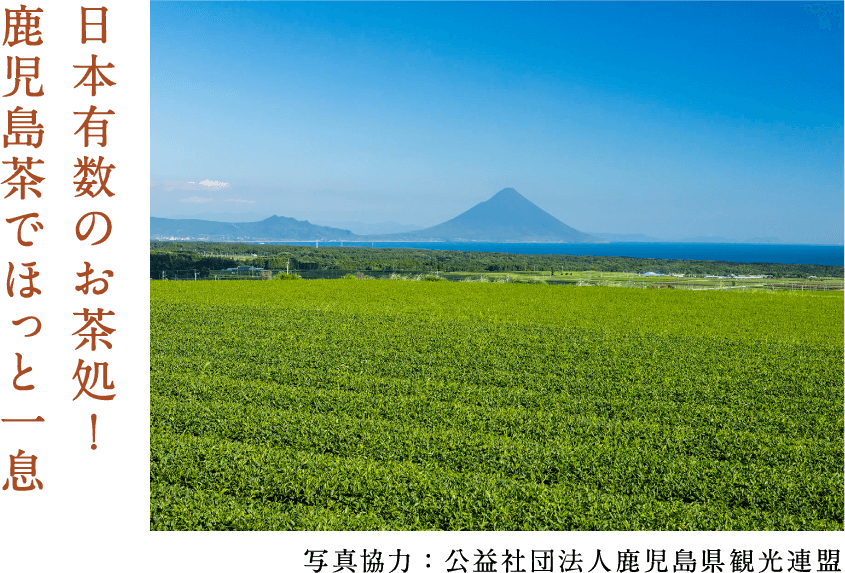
point(352, 405)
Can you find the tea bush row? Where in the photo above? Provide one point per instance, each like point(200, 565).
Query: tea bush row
point(270, 414)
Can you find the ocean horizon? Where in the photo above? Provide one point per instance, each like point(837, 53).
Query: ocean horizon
point(832, 255)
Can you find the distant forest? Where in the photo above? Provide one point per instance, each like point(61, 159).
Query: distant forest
point(203, 257)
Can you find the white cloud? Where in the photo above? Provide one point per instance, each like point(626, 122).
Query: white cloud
point(196, 200)
point(179, 185)
point(240, 201)
point(214, 184)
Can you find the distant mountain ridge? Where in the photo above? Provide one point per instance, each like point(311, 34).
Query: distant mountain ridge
point(507, 217)
point(628, 238)
point(640, 238)
point(359, 228)
point(273, 228)
point(764, 240)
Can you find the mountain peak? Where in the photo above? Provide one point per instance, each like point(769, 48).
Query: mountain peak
point(506, 217)
point(506, 193)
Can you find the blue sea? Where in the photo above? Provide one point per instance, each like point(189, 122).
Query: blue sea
point(732, 252)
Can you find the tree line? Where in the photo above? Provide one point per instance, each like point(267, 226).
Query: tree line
point(204, 257)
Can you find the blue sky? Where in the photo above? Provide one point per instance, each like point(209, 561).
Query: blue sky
point(669, 119)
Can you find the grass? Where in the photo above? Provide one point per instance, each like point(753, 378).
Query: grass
point(417, 405)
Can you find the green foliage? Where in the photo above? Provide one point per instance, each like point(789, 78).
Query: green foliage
point(287, 277)
point(168, 261)
point(387, 405)
point(166, 256)
point(278, 264)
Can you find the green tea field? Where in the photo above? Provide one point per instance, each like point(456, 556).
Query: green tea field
point(391, 405)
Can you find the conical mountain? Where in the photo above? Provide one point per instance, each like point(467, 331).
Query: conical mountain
point(507, 217)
